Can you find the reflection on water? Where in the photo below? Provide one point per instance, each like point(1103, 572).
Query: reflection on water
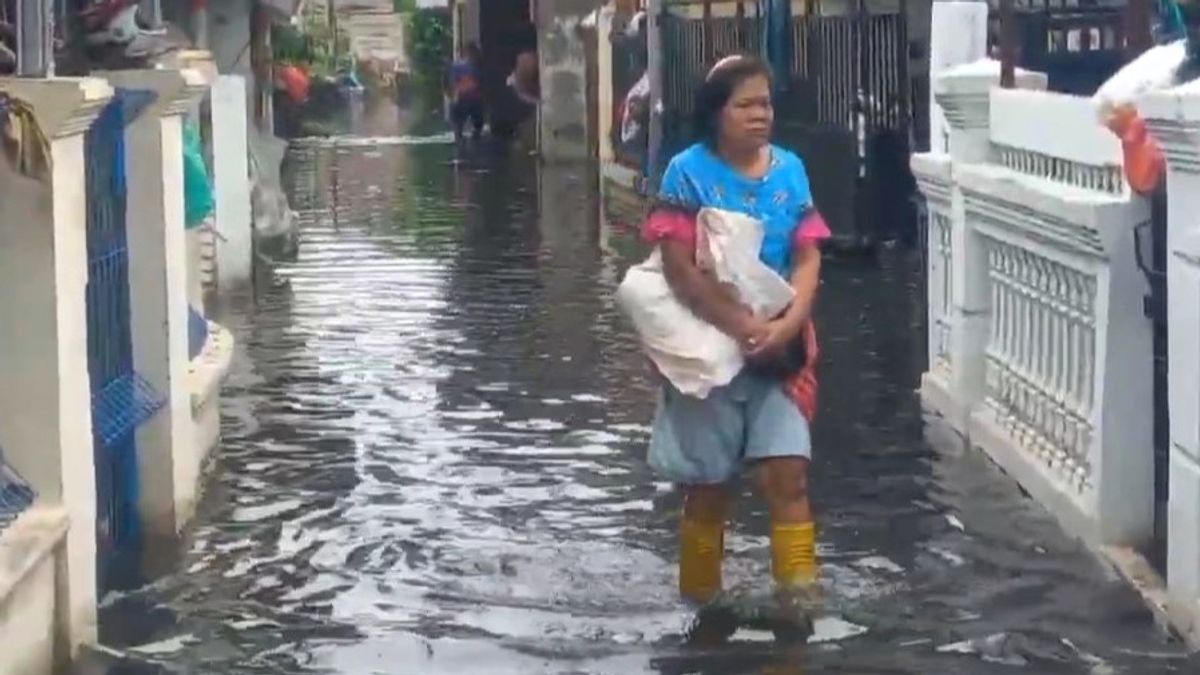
point(433, 463)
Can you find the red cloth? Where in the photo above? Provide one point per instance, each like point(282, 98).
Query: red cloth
point(669, 224)
point(672, 224)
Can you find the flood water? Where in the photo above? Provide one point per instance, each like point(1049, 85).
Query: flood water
point(433, 462)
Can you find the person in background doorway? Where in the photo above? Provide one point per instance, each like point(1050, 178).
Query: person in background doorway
point(465, 93)
point(760, 420)
point(515, 114)
point(524, 79)
point(527, 91)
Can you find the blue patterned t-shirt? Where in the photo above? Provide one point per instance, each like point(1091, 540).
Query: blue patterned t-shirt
point(698, 178)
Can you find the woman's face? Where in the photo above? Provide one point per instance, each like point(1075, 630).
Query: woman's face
point(747, 117)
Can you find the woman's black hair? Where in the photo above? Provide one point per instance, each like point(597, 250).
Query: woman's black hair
point(714, 93)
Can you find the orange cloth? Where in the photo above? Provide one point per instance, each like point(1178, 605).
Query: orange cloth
point(295, 82)
point(1143, 157)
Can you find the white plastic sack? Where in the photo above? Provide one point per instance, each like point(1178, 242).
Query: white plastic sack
point(691, 353)
point(1154, 69)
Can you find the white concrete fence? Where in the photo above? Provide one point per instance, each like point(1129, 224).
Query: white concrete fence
point(1040, 351)
point(48, 590)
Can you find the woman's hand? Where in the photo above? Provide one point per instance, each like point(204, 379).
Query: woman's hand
point(779, 333)
point(752, 333)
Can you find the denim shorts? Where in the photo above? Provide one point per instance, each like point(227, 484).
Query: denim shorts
point(708, 441)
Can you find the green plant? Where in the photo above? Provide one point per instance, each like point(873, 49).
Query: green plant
point(313, 45)
point(430, 34)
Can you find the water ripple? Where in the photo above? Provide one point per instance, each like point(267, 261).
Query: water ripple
point(433, 462)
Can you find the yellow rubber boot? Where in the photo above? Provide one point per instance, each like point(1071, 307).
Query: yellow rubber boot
point(701, 549)
point(794, 555)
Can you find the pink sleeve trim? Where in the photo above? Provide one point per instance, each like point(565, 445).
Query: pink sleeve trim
point(812, 228)
point(662, 225)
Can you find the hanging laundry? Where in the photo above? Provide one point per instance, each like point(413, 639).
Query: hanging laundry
point(197, 188)
point(22, 141)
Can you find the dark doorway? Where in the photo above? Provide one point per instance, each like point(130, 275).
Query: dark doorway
point(505, 30)
point(1152, 258)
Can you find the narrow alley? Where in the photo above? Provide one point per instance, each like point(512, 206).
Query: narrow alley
point(433, 462)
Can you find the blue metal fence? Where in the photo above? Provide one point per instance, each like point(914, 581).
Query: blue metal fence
point(197, 333)
point(15, 494)
point(121, 399)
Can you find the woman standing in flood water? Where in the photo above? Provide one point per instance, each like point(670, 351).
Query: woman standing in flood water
point(760, 420)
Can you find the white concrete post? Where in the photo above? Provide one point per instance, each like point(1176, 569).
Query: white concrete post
point(934, 178)
point(45, 403)
point(562, 111)
point(231, 178)
point(604, 84)
point(964, 93)
point(158, 286)
point(654, 67)
point(958, 35)
point(1174, 119)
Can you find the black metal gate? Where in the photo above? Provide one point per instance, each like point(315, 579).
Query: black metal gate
point(1078, 45)
point(848, 114)
point(844, 107)
point(1152, 259)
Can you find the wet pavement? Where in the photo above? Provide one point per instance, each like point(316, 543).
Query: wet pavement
point(433, 462)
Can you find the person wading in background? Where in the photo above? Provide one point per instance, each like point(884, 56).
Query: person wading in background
point(465, 93)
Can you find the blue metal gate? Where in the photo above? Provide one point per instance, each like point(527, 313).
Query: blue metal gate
point(15, 494)
point(121, 399)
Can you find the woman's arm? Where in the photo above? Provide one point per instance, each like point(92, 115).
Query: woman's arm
point(806, 274)
point(705, 296)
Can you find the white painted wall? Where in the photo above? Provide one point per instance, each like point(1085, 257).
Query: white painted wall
point(27, 591)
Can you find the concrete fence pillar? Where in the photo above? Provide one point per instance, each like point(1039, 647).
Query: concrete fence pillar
point(1174, 120)
point(45, 405)
point(964, 94)
point(231, 178)
point(604, 84)
point(158, 285)
point(958, 35)
point(562, 118)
